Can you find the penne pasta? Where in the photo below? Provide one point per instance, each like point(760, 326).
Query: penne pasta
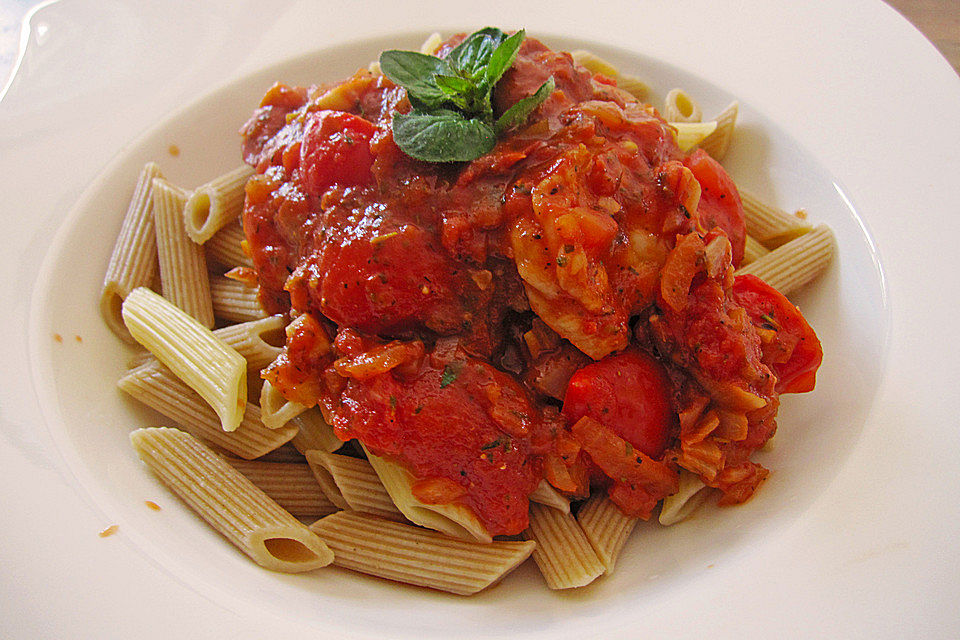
point(255, 340)
point(314, 433)
point(284, 453)
point(183, 267)
point(631, 84)
point(215, 204)
point(718, 142)
point(249, 339)
point(769, 225)
point(431, 44)
point(410, 554)
point(678, 106)
point(690, 134)
point(545, 494)
point(196, 356)
point(156, 386)
point(753, 250)
point(275, 410)
point(594, 63)
point(234, 301)
point(229, 502)
point(563, 552)
point(606, 528)
point(352, 483)
point(452, 519)
point(133, 262)
point(414, 338)
point(225, 247)
point(791, 266)
point(685, 501)
point(292, 485)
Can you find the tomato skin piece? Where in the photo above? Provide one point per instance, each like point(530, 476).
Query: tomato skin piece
point(336, 150)
point(629, 393)
point(795, 354)
point(720, 204)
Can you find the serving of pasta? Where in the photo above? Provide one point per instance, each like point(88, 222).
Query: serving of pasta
point(468, 306)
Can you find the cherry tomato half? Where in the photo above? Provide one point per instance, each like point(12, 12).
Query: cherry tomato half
point(628, 392)
point(720, 204)
point(794, 353)
point(336, 150)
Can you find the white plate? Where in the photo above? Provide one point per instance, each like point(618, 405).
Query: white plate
point(849, 532)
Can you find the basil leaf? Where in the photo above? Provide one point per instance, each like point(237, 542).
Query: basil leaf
point(442, 136)
point(470, 56)
point(415, 72)
point(521, 109)
point(502, 58)
point(452, 85)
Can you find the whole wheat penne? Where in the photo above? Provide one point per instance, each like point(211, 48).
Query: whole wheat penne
point(594, 63)
point(249, 339)
point(606, 528)
point(690, 134)
point(718, 142)
point(752, 250)
point(292, 485)
point(229, 502)
point(547, 495)
point(629, 83)
point(314, 433)
point(352, 483)
point(678, 106)
point(409, 554)
point(284, 453)
point(685, 501)
point(215, 204)
point(235, 301)
point(133, 262)
point(431, 44)
point(255, 340)
point(183, 267)
point(791, 266)
point(452, 519)
point(563, 552)
point(210, 367)
point(225, 247)
point(633, 85)
point(767, 224)
point(156, 386)
point(276, 410)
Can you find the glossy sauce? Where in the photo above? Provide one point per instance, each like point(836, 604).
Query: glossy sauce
point(416, 285)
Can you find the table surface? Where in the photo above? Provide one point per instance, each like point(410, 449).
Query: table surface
point(938, 20)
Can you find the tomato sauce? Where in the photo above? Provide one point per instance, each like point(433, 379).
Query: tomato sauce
point(442, 308)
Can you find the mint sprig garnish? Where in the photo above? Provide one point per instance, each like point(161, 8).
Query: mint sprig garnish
point(452, 119)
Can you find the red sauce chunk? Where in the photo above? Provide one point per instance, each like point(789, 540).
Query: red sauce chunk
point(456, 418)
point(444, 312)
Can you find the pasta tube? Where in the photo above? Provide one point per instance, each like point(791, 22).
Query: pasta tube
point(417, 556)
point(133, 262)
point(211, 368)
point(229, 502)
point(215, 204)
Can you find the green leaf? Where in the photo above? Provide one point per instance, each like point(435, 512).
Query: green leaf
point(415, 72)
point(450, 373)
point(459, 92)
point(521, 109)
point(442, 136)
point(502, 58)
point(471, 55)
point(452, 85)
